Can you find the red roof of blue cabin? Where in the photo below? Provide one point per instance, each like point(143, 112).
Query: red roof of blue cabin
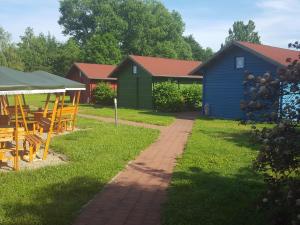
point(275, 55)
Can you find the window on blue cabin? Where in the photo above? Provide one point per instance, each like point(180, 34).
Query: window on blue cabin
point(134, 69)
point(239, 62)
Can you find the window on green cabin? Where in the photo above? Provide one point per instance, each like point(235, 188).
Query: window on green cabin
point(134, 69)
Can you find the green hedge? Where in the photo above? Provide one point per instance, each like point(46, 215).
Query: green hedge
point(103, 94)
point(169, 97)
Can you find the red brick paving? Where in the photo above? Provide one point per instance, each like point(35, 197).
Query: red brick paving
point(135, 196)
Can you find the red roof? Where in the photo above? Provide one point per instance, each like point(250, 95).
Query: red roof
point(96, 71)
point(278, 55)
point(165, 67)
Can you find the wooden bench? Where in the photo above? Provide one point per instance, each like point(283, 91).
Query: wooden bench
point(35, 141)
point(7, 137)
point(65, 116)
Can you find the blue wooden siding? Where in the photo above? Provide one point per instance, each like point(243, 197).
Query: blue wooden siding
point(223, 83)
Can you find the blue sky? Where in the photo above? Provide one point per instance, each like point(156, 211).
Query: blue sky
point(207, 20)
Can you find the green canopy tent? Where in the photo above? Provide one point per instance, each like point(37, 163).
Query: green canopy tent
point(17, 83)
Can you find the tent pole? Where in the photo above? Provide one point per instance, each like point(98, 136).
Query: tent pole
point(1, 105)
point(46, 106)
point(51, 127)
point(76, 109)
point(16, 159)
point(7, 102)
point(60, 112)
point(22, 113)
point(74, 98)
point(23, 98)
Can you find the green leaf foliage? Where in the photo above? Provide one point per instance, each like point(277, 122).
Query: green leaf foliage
point(192, 95)
point(8, 52)
point(139, 27)
point(102, 49)
point(243, 32)
point(199, 53)
point(167, 97)
point(37, 52)
point(67, 54)
point(103, 94)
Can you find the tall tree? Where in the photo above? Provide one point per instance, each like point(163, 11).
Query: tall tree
point(199, 53)
point(139, 26)
point(38, 52)
point(9, 56)
point(243, 32)
point(102, 49)
point(67, 54)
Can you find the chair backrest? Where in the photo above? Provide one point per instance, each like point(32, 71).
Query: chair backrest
point(66, 111)
point(11, 110)
point(4, 120)
point(44, 123)
point(8, 134)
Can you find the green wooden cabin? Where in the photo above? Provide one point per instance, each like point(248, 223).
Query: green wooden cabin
point(138, 74)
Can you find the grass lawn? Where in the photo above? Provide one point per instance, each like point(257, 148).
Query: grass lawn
point(213, 183)
point(36, 100)
point(145, 116)
point(54, 195)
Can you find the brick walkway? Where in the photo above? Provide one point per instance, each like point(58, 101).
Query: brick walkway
point(136, 194)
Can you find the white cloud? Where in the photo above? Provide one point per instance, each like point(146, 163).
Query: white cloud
point(277, 22)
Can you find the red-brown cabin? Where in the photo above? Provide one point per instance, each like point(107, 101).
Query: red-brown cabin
point(91, 75)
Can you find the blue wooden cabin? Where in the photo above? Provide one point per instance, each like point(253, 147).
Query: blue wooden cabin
point(224, 75)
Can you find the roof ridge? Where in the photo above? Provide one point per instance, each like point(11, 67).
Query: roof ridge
point(270, 46)
point(155, 57)
point(94, 64)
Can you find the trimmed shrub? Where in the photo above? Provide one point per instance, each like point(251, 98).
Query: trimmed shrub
point(103, 94)
point(167, 97)
point(192, 96)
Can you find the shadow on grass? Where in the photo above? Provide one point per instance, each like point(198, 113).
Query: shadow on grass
point(55, 204)
point(197, 197)
point(240, 139)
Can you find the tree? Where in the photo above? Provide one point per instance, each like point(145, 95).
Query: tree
point(68, 53)
point(199, 53)
point(8, 52)
point(102, 49)
point(243, 32)
point(38, 52)
point(139, 26)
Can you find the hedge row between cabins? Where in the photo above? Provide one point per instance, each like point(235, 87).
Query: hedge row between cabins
point(136, 90)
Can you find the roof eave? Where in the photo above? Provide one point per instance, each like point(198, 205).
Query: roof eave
point(235, 43)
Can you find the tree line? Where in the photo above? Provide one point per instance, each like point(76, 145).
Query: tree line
point(105, 31)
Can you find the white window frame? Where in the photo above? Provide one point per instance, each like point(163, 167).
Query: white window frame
point(134, 69)
point(240, 64)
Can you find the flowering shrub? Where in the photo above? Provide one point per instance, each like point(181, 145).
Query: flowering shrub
point(279, 156)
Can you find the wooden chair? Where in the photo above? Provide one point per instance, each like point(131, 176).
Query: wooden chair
point(4, 120)
point(11, 110)
point(7, 137)
point(35, 141)
point(65, 116)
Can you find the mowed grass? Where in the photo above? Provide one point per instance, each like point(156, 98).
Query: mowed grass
point(214, 183)
point(136, 115)
point(54, 195)
point(144, 116)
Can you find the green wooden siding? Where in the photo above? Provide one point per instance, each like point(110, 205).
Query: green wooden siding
point(134, 91)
